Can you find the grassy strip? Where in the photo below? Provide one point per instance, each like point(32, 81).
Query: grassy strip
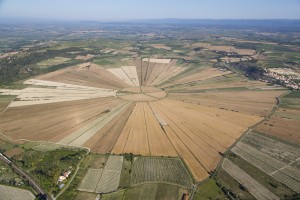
point(209, 190)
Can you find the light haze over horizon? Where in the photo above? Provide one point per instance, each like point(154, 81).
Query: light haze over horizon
point(118, 10)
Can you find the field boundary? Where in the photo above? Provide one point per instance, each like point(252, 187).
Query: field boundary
point(249, 129)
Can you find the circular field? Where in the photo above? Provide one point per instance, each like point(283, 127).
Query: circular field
point(156, 107)
point(141, 94)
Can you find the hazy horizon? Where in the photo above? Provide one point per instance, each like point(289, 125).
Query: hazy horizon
point(118, 10)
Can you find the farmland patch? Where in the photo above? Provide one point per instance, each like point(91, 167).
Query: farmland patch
point(13, 193)
point(164, 170)
point(255, 188)
point(283, 172)
point(110, 177)
point(91, 180)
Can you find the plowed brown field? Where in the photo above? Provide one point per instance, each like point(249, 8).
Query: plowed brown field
point(104, 140)
point(52, 122)
point(88, 75)
point(283, 124)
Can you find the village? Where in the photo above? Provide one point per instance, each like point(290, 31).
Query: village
point(286, 77)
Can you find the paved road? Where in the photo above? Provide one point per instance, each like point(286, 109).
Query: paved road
point(22, 173)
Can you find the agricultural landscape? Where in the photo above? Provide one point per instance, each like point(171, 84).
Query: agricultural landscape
point(105, 113)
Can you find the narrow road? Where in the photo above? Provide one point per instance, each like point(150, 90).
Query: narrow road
point(194, 189)
point(71, 179)
point(7, 106)
point(22, 173)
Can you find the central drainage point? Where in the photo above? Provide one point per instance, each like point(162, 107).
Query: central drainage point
point(141, 94)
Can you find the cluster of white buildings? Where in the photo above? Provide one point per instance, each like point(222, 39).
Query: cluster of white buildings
point(63, 177)
point(287, 80)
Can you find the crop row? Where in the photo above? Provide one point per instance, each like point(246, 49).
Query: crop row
point(91, 179)
point(109, 181)
point(255, 188)
point(273, 148)
point(283, 173)
point(159, 170)
point(114, 163)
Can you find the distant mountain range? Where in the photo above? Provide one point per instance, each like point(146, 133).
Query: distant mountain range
point(279, 24)
point(225, 22)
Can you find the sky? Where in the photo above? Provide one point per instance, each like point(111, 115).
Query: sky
point(118, 10)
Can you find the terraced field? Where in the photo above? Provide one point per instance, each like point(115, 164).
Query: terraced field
point(151, 107)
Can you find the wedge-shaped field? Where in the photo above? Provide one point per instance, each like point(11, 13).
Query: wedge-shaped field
point(142, 135)
point(82, 135)
point(52, 122)
point(213, 79)
point(132, 74)
point(251, 102)
point(104, 140)
point(198, 135)
point(255, 188)
point(56, 92)
point(199, 76)
point(283, 172)
point(127, 74)
point(86, 74)
point(90, 180)
point(153, 72)
point(164, 170)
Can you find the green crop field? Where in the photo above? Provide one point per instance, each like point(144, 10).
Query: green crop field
point(168, 170)
point(209, 190)
point(153, 192)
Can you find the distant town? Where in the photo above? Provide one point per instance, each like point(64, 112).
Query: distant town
point(286, 76)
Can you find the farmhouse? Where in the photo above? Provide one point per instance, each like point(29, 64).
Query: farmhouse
point(64, 176)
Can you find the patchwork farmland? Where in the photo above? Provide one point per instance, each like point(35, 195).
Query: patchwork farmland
point(103, 180)
point(255, 188)
point(154, 107)
point(274, 158)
